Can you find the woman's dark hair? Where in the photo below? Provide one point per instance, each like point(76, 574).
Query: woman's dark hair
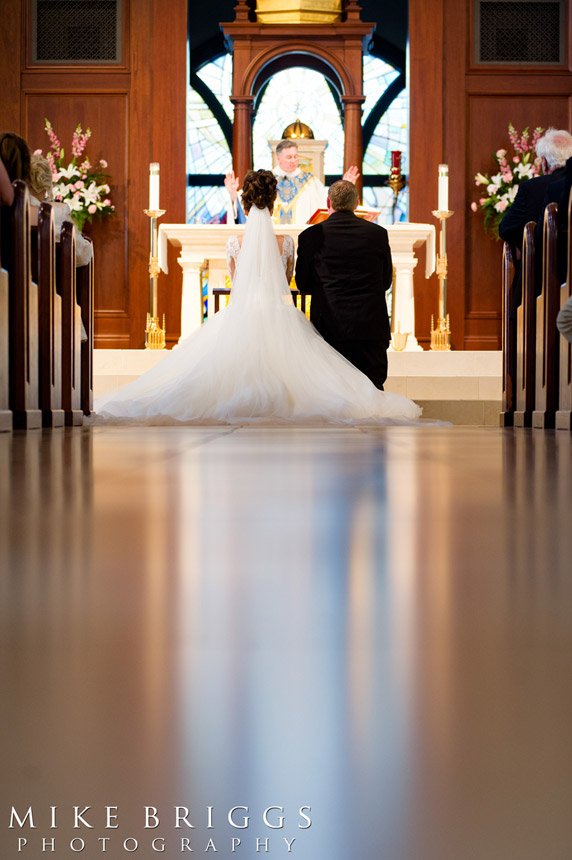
point(15, 154)
point(259, 189)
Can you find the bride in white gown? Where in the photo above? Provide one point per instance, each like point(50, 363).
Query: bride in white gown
point(259, 359)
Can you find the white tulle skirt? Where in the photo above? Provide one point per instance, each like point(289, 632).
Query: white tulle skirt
point(263, 362)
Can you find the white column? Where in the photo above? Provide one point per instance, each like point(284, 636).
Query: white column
point(191, 300)
point(403, 312)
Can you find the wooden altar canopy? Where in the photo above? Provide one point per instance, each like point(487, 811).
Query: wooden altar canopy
point(261, 50)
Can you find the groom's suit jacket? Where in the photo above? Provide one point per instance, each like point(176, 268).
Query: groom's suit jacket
point(344, 263)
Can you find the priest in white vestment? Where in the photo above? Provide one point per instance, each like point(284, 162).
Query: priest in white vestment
point(299, 193)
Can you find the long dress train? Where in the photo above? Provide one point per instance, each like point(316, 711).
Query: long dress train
point(257, 360)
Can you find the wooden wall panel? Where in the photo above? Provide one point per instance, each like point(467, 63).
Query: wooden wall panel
point(11, 48)
point(426, 139)
point(136, 110)
point(106, 115)
point(158, 133)
point(488, 126)
point(459, 115)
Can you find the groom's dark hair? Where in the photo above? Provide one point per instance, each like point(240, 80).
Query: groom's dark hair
point(343, 196)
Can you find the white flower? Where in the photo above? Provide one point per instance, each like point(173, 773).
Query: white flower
point(480, 179)
point(74, 203)
point(525, 171)
point(497, 179)
point(492, 188)
point(69, 172)
point(511, 193)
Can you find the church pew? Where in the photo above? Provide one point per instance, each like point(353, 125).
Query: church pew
point(508, 340)
point(50, 323)
point(526, 335)
point(85, 285)
point(5, 413)
point(547, 337)
point(23, 317)
point(563, 418)
point(71, 329)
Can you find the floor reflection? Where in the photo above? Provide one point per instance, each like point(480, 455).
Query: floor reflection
point(373, 624)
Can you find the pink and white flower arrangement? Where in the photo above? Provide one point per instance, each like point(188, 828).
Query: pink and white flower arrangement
point(79, 183)
point(513, 169)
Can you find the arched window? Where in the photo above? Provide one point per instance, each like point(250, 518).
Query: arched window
point(299, 93)
point(290, 94)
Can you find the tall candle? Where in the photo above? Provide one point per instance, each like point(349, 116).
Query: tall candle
point(396, 160)
point(443, 198)
point(153, 186)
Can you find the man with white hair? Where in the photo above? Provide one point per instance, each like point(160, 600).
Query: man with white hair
point(554, 148)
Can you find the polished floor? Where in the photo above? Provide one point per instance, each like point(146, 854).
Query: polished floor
point(375, 624)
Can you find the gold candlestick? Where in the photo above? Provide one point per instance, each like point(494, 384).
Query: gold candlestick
point(154, 333)
point(396, 183)
point(441, 335)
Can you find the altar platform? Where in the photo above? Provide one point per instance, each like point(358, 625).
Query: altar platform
point(462, 387)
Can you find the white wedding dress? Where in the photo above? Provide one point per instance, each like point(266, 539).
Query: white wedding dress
point(257, 360)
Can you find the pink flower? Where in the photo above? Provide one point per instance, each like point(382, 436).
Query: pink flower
point(482, 201)
point(37, 152)
point(92, 209)
point(80, 183)
point(107, 202)
point(501, 206)
point(516, 159)
point(103, 162)
point(474, 207)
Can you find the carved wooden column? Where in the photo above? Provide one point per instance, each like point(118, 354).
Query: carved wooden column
point(242, 136)
point(353, 139)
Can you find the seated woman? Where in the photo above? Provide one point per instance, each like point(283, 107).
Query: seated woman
point(40, 184)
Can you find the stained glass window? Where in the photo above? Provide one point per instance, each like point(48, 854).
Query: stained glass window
point(377, 76)
point(391, 133)
point(207, 149)
point(206, 204)
point(382, 198)
point(217, 75)
point(298, 93)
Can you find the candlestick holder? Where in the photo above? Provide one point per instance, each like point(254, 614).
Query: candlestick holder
point(396, 182)
point(154, 333)
point(441, 335)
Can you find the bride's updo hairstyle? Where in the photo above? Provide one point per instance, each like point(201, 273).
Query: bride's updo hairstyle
point(259, 189)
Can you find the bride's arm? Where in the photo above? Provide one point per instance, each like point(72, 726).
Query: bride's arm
point(286, 248)
point(232, 249)
point(290, 259)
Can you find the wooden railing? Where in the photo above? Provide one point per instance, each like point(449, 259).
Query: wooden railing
point(45, 369)
point(537, 361)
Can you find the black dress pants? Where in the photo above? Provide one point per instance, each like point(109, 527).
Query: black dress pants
point(369, 356)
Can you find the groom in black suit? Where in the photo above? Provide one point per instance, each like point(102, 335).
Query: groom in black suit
point(344, 263)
